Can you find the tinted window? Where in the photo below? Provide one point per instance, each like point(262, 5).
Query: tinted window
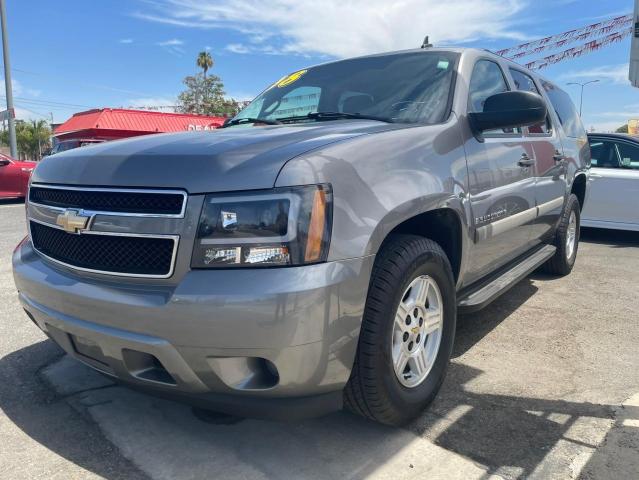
point(406, 88)
point(487, 80)
point(565, 110)
point(628, 155)
point(526, 83)
point(603, 154)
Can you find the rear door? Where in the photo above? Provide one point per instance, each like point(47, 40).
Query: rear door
point(550, 167)
point(501, 181)
point(614, 182)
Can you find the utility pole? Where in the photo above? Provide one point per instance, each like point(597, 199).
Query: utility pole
point(7, 80)
point(581, 97)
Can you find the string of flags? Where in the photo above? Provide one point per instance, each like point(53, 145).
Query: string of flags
point(599, 35)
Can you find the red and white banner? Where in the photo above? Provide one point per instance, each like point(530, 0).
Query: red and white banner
point(578, 51)
point(555, 41)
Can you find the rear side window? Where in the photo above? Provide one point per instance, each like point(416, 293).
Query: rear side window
point(565, 109)
point(628, 155)
point(526, 83)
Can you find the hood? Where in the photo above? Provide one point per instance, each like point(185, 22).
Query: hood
point(235, 158)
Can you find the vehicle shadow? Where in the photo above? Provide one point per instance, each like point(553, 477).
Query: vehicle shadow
point(613, 238)
point(11, 201)
point(44, 416)
point(472, 327)
point(510, 435)
point(520, 436)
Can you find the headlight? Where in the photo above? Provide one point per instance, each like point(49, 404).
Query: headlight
point(283, 226)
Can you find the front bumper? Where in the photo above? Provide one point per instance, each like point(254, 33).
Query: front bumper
point(274, 342)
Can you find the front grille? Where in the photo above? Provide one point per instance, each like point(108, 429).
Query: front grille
point(105, 253)
point(116, 201)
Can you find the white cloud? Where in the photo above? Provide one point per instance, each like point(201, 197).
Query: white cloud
point(126, 40)
point(173, 46)
point(19, 89)
point(237, 48)
point(164, 104)
point(341, 28)
point(611, 73)
point(171, 43)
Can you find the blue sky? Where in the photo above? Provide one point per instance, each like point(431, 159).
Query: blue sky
point(77, 54)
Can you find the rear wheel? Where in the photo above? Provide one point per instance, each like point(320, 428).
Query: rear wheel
point(407, 332)
point(566, 239)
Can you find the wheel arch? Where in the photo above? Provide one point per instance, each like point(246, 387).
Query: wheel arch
point(444, 226)
point(579, 189)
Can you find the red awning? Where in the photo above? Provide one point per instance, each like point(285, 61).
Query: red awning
point(117, 123)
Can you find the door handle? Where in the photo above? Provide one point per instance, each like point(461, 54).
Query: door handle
point(525, 161)
point(558, 157)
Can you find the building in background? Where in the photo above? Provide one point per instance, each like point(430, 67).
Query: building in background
point(633, 126)
point(113, 123)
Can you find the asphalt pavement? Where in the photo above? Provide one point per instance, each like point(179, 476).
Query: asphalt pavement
point(544, 383)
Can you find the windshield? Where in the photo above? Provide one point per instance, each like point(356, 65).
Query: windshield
point(406, 88)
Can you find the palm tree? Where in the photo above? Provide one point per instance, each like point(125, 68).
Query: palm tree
point(204, 61)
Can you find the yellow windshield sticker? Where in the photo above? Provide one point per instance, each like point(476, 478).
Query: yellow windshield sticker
point(293, 77)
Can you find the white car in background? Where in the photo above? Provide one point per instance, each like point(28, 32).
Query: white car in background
point(613, 200)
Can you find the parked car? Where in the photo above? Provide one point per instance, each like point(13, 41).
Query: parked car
point(317, 260)
point(614, 182)
point(14, 177)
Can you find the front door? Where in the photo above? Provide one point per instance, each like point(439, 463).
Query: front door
point(501, 181)
point(614, 183)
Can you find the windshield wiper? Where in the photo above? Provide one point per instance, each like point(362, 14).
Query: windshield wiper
point(238, 121)
point(335, 116)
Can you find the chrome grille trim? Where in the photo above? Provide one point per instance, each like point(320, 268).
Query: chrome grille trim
point(175, 238)
point(114, 190)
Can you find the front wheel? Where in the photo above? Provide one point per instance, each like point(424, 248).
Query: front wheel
point(566, 239)
point(407, 332)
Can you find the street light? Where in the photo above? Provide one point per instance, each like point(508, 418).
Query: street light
point(582, 85)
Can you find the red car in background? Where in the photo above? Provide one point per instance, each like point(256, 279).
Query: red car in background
point(14, 177)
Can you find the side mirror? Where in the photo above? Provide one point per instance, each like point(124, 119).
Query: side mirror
point(509, 110)
point(4, 162)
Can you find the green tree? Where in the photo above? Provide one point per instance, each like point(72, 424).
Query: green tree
point(623, 129)
point(204, 94)
point(32, 138)
point(204, 61)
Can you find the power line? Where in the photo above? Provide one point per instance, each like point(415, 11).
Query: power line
point(50, 103)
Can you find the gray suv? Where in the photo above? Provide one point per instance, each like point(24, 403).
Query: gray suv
point(315, 251)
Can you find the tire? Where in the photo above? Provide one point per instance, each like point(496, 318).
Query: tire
point(563, 260)
point(374, 390)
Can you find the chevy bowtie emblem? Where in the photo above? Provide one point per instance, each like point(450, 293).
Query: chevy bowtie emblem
point(73, 221)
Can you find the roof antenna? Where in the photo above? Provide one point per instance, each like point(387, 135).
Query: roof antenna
point(426, 44)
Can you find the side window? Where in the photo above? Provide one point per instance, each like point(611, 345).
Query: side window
point(487, 80)
point(525, 82)
point(603, 154)
point(568, 116)
point(628, 155)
